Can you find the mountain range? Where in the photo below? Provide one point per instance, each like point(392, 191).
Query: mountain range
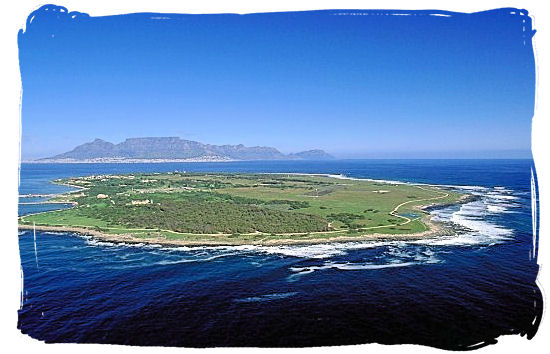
point(174, 148)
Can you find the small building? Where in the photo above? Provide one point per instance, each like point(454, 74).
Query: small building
point(141, 202)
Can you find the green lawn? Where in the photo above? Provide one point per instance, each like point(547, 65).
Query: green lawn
point(249, 207)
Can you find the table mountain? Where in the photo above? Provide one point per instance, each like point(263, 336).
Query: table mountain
point(315, 154)
point(174, 148)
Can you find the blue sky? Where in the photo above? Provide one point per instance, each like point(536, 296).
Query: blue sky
point(358, 86)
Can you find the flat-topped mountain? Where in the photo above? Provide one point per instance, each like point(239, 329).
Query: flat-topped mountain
point(174, 148)
point(314, 154)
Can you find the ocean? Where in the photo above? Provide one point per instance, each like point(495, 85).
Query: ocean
point(453, 292)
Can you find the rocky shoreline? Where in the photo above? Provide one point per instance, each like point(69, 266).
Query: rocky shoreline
point(435, 229)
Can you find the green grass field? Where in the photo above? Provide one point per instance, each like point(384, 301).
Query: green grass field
point(246, 207)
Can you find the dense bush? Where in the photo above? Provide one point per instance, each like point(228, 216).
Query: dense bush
point(198, 212)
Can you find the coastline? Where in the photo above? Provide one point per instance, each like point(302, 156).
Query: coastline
point(115, 160)
point(128, 161)
point(434, 229)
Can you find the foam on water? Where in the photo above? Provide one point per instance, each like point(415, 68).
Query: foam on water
point(196, 259)
point(501, 196)
point(316, 251)
point(57, 233)
point(341, 176)
point(497, 209)
point(335, 285)
point(267, 297)
point(395, 256)
point(479, 218)
point(347, 266)
point(473, 217)
point(322, 251)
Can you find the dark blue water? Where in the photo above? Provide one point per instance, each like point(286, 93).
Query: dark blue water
point(453, 292)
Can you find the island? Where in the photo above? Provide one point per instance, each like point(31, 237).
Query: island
point(182, 208)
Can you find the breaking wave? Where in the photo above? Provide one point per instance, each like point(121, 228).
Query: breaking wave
point(267, 297)
point(393, 257)
point(476, 221)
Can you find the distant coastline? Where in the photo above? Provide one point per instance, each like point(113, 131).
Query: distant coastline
point(132, 160)
point(173, 149)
